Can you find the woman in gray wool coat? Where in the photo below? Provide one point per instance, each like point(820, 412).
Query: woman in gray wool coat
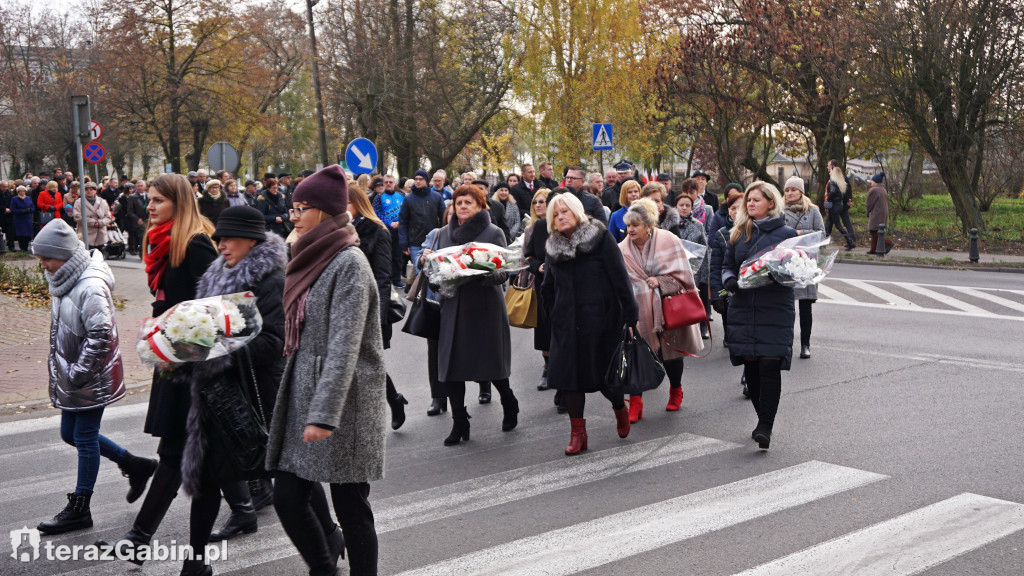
point(804, 217)
point(328, 423)
point(475, 342)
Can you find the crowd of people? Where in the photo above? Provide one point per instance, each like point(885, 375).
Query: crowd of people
point(324, 255)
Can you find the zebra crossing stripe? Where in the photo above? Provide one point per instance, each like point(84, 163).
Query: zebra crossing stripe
point(908, 544)
point(994, 298)
point(878, 292)
point(611, 538)
point(470, 495)
point(943, 298)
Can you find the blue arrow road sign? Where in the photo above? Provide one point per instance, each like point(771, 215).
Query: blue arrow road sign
point(361, 156)
point(94, 153)
point(602, 137)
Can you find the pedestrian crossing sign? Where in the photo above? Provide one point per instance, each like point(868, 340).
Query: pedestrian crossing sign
point(602, 137)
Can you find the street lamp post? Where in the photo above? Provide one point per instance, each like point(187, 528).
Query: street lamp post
point(321, 128)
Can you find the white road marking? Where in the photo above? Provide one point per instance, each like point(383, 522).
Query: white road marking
point(907, 544)
point(945, 299)
point(833, 294)
point(470, 495)
point(995, 299)
point(53, 422)
point(881, 293)
point(615, 537)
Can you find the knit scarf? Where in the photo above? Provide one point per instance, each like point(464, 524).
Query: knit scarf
point(795, 207)
point(158, 241)
point(67, 275)
point(311, 254)
point(698, 212)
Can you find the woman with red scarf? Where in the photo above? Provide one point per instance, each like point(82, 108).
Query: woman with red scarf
point(328, 423)
point(177, 250)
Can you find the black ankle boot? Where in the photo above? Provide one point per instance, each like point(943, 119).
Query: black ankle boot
point(138, 471)
point(763, 436)
point(397, 405)
point(241, 521)
point(460, 426)
point(262, 493)
point(437, 405)
point(510, 407)
point(130, 543)
point(196, 568)
point(74, 516)
point(805, 351)
point(544, 379)
point(336, 543)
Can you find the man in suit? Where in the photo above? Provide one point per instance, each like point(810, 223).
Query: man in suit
point(527, 187)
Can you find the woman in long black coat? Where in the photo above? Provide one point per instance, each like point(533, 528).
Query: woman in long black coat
point(177, 250)
point(760, 326)
point(475, 341)
point(250, 261)
point(375, 242)
point(533, 250)
point(589, 299)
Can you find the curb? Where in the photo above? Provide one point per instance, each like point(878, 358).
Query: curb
point(32, 404)
point(957, 266)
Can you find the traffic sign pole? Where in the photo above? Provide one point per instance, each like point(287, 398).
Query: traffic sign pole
point(80, 114)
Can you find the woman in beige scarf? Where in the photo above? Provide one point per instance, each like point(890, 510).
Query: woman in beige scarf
point(657, 266)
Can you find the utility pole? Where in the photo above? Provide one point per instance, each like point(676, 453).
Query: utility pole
point(321, 128)
point(81, 118)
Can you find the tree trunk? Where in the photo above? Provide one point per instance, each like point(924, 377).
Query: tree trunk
point(957, 179)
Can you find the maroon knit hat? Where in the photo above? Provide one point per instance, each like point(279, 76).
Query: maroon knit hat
point(326, 189)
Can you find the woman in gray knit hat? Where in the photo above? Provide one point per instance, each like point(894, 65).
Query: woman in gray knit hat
point(86, 373)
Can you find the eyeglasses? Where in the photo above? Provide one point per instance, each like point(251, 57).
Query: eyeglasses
point(541, 201)
point(297, 212)
point(573, 178)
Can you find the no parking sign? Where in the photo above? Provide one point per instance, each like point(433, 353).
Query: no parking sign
point(94, 153)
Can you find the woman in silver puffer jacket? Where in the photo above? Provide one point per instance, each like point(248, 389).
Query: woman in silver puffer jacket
point(86, 373)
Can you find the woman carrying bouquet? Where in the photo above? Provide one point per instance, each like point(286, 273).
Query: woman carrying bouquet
point(760, 326)
point(657, 266)
point(588, 298)
point(475, 342)
point(250, 260)
point(375, 242)
point(177, 250)
point(328, 423)
point(804, 217)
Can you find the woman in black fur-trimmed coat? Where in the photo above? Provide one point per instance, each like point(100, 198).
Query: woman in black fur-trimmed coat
point(250, 260)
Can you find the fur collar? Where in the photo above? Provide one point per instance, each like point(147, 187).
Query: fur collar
point(586, 237)
point(261, 261)
point(463, 233)
point(669, 219)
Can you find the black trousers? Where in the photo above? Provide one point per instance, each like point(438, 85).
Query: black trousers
point(834, 217)
point(575, 402)
point(764, 382)
point(805, 321)
point(437, 389)
point(304, 526)
point(397, 259)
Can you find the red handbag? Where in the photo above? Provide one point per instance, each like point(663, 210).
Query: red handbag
point(682, 310)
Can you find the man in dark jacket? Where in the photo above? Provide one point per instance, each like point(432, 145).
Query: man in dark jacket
point(710, 198)
point(6, 216)
point(135, 216)
point(625, 171)
point(547, 176)
point(610, 193)
point(421, 212)
point(574, 180)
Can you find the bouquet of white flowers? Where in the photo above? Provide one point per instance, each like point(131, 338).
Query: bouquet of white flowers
point(795, 262)
point(452, 266)
point(197, 330)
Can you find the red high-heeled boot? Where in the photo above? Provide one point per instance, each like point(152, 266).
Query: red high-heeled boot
point(675, 399)
point(577, 437)
point(636, 408)
point(622, 421)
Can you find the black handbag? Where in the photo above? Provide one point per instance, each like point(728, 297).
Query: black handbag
point(236, 419)
point(396, 307)
point(424, 318)
point(635, 368)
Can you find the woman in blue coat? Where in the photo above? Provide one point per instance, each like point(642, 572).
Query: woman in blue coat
point(22, 209)
point(760, 327)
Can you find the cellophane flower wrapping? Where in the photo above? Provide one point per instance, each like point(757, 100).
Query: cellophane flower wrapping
point(450, 267)
point(796, 262)
point(695, 255)
point(202, 329)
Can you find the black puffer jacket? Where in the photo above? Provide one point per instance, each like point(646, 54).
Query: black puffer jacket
point(760, 319)
point(421, 212)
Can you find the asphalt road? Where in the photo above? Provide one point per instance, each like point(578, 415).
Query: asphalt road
point(896, 451)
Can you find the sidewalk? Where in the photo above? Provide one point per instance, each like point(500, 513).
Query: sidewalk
point(923, 256)
point(25, 333)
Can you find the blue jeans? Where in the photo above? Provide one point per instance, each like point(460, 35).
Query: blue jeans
point(82, 430)
point(414, 255)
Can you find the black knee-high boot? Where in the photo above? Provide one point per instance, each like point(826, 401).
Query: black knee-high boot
point(770, 392)
point(753, 378)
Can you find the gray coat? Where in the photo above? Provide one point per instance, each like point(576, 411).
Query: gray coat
point(335, 378)
point(85, 360)
point(805, 222)
point(475, 342)
point(692, 230)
